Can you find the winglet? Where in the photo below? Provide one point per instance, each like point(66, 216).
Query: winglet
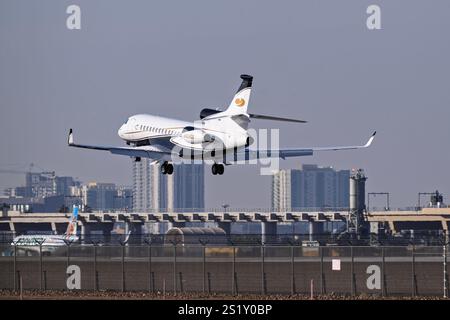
point(246, 82)
point(370, 140)
point(70, 138)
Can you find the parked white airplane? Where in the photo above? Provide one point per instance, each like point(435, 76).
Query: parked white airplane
point(31, 243)
point(220, 136)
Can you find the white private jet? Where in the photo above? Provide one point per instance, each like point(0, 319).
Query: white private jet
point(220, 136)
point(49, 243)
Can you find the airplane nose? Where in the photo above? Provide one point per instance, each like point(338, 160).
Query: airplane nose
point(121, 131)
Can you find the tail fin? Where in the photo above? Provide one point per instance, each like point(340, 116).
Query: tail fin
point(72, 227)
point(240, 100)
point(127, 237)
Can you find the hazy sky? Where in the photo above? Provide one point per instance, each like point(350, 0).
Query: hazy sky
point(314, 60)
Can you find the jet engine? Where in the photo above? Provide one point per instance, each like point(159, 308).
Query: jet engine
point(194, 136)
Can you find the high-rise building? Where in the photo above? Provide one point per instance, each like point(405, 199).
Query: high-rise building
point(99, 196)
point(188, 187)
point(64, 185)
point(310, 187)
point(45, 184)
point(281, 190)
point(180, 191)
point(40, 185)
point(149, 186)
point(123, 200)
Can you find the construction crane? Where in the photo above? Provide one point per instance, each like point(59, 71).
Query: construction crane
point(30, 169)
point(24, 172)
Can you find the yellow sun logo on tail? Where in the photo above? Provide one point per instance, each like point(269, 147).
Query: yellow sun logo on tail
point(239, 102)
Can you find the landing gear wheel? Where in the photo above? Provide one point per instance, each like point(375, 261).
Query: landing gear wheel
point(164, 167)
point(217, 169)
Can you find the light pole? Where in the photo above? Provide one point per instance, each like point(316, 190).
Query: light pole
point(375, 194)
point(445, 265)
point(422, 194)
point(225, 206)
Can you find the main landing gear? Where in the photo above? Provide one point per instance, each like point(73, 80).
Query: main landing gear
point(166, 168)
point(217, 169)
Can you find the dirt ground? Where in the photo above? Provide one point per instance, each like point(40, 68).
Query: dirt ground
point(114, 295)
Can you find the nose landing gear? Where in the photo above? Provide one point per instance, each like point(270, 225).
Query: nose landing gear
point(166, 168)
point(217, 168)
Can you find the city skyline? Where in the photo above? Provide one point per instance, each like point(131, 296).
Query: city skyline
point(318, 63)
point(171, 192)
point(47, 192)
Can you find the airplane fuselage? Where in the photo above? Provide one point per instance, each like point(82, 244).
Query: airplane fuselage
point(43, 243)
point(144, 126)
point(216, 132)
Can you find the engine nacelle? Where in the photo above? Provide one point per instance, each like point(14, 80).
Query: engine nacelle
point(197, 136)
point(237, 141)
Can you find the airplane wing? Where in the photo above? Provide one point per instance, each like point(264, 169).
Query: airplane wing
point(368, 143)
point(143, 152)
point(249, 154)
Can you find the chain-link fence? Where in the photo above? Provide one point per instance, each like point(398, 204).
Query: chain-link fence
point(209, 268)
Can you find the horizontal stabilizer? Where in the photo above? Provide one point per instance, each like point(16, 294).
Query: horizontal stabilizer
point(263, 117)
